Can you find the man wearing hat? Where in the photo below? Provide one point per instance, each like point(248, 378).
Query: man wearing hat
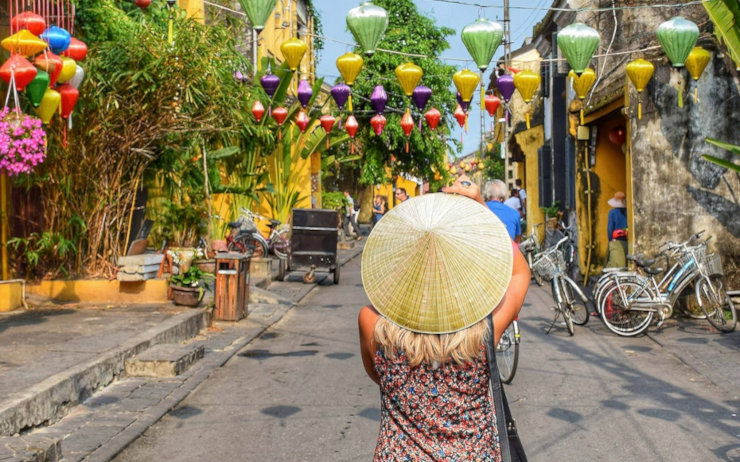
point(617, 231)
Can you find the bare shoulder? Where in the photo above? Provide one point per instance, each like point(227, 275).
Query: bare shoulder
point(367, 318)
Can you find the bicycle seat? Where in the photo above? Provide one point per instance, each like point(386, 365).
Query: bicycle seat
point(653, 271)
point(235, 224)
point(634, 256)
point(645, 263)
point(274, 223)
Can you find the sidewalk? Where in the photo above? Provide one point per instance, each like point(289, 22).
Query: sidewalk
point(54, 359)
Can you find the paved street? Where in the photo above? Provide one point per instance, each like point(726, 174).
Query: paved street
point(299, 392)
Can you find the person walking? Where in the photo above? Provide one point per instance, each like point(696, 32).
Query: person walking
point(495, 194)
point(423, 339)
point(349, 218)
point(522, 196)
point(616, 230)
point(514, 202)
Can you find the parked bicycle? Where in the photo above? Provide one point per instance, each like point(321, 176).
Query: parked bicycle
point(246, 238)
point(570, 301)
point(530, 247)
point(629, 300)
point(507, 352)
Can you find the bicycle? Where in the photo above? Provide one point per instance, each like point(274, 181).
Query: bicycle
point(550, 264)
point(530, 247)
point(507, 352)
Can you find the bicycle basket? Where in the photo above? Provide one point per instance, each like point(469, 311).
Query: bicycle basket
point(696, 254)
point(549, 265)
point(711, 264)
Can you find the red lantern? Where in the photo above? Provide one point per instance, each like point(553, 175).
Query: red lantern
point(302, 121)
point(142, 3)
point(21, 67)
point(76, 50)
point(69, 99)
point(460, 116)
point(258, 110)
point(51, 64)
point(279, 114)
point(492, 103)
point(378, 123)
point(407, 124)
point(29, 20)
point(618, 135)
point(327, 122)
point(432, 116)
point(351, 126)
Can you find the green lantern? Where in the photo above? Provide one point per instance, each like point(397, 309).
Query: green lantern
point(258, 11)
point(578, 42)
point(367, 23)
point(36, 89)
point(482, 38)
point(678, 37)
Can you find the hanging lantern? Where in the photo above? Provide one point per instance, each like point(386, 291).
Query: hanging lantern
point(482, 37)
point(143, 4)
point(582, 84)
point(327, 123)
point(407, 124)
point(618, 135)
point(49, 105)
point(351, 127)
point(420, 97)
point(492, 103)
point(677, 36)
point(79, 76)
point(69, 67)
point(505, 85)
point(378, 123)
point(57, 38)
point(639, 72)
point(340, 93)
point(76, 50)
point(527, 82)
point(578, 42)
point(466, 82)
point(464, 105)
point(29, 20)
point(36, 89)
point(462, 119)
point(349, 65)
point(293, 51)
point(24, 43)
point(302, 120)
point(379, 99)
point(433, 116)
point(51, 63)
point(305, 92)
point(258, 110)
point(408, 75)
point(68, 99)
point(280, 114)
point(367, 23)
point(270, 83)
point(696, 63)
point(19, 67)
point(258, 11)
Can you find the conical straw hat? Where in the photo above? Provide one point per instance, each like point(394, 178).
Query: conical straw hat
point(437, 263)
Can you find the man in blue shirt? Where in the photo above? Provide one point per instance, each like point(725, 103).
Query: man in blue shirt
point(495, 194)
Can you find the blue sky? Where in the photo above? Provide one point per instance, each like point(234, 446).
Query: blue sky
point(452, 15)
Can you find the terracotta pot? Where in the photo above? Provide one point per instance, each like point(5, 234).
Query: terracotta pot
point(187, 296)
point(207, 266)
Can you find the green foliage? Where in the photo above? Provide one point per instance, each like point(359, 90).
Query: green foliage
point(193, 277)
point(725, 14)
point(408, 31)
point(552, 211)
point(723, 162)
point(50, 251)
point(493, 164)
point(334, 200)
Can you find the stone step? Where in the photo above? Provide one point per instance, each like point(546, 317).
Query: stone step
point(167, 360)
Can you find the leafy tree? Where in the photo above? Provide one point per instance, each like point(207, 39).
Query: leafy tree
point(408, 32)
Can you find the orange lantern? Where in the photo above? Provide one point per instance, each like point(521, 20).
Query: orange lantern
point(527, 82)
point(640, 72)
point(407, 124)
point(24, 43)
point(351, 127)
point(51, 64)
point(696, 63)
point(349, 65)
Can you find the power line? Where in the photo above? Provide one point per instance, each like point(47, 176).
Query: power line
point(576, 10)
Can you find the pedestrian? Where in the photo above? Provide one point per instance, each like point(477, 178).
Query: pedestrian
point(495, 193)
point(380, 207)
point(424, 338)
point(514, 202)
point(401, 194)
point(350, 218)
point(522, 196)
point(616, 230)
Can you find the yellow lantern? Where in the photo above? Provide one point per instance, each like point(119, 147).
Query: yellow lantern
point(462, 164)
point(49, 105)
point(582, 84)
point(527, 82)
point(293, 51)
point(69, 68)
point(466, 82)
point(408, 75)
point(24, 43)
point(696, 63)
point(640, 72)
point(349, 65)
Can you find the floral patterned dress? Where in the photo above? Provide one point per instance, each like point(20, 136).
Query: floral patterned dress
point(435, 414)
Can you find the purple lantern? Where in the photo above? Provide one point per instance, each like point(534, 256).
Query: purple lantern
point(421, 96)
point(505, 84)
point(379, 99)
point(340, 93)
point(464, 105)
point(305, 92)
point(270, 83)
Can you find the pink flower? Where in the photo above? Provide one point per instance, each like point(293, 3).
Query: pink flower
point(22, 145)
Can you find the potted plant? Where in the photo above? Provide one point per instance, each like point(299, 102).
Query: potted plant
point(189, 286)
point(551, 215)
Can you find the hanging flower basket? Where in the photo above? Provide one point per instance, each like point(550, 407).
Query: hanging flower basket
point(22, 142)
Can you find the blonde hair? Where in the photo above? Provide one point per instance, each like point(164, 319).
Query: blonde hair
point(460, 346)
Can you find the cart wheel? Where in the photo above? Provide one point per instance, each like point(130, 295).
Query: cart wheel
point(281, 269)
point(336, 275)
point(310, 277)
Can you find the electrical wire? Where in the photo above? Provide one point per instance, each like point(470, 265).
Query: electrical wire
point(576, 10)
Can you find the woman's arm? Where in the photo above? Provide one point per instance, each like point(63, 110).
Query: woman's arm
point(366, 320)
point(513, 299)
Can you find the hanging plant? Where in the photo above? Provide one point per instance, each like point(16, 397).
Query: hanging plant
point(22, 142)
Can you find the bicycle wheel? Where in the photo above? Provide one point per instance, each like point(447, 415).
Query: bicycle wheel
point(279, 244)
point(573, 302)
point(716, 304)
point(616, 311)
point(507, 354)
point(259, 244)
point(537, 278)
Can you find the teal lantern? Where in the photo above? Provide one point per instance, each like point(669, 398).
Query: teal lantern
point(482, 38)
point(578, 42)
point(367, 23)
point(258, 11)
point(678, 37)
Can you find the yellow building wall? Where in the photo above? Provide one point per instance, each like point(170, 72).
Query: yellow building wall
point(150, 291)
point(11, 296)
point(530, 141)
point(194, 9)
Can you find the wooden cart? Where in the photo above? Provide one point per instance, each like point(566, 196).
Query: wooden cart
point(313, 242)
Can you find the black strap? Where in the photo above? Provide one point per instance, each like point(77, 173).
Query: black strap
point(511, 446)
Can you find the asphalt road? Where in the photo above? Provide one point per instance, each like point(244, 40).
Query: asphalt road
point(299, 393)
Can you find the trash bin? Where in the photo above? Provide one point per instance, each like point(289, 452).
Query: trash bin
point(232, 286)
